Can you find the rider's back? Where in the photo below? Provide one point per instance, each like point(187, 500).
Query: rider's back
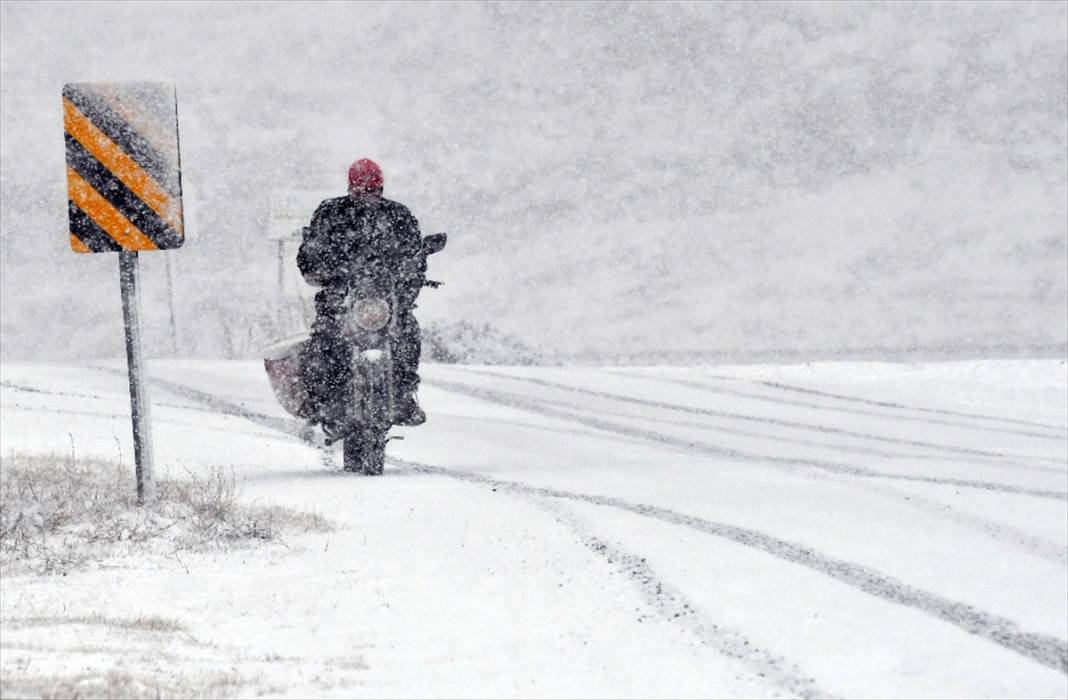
point(350, 236)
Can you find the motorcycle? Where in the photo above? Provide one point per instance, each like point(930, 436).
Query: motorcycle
point(363, 418)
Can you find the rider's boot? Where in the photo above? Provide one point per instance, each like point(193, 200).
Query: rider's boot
point(407, 410)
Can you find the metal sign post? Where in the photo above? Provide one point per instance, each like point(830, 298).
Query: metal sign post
point(124, 195)
point(129, 279)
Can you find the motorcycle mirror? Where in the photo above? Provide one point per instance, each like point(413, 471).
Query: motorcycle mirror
point(434, 243)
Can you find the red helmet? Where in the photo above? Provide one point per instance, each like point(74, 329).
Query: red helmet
point(365, 177)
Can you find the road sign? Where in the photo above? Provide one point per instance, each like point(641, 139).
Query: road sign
point(124, 188)
point(124, 195)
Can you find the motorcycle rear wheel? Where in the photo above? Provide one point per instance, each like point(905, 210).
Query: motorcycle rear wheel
point(365, 451)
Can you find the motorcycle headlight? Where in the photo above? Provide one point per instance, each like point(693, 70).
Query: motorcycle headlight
point(370, 314)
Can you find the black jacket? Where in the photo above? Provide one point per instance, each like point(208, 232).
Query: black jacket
point(349, 238)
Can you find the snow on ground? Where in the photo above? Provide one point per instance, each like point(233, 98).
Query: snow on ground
point(849, 529)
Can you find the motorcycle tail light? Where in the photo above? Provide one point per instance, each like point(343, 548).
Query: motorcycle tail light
point(371, 314)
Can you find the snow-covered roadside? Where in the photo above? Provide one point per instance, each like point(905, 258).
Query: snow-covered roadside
point(460, 572)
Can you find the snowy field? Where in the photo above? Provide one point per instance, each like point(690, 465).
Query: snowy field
point(838, 529)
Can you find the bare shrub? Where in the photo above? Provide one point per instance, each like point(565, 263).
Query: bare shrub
point(57, 513)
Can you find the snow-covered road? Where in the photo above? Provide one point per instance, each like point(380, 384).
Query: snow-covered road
point(838, 529)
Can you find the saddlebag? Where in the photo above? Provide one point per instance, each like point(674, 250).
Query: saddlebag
point(284, 364)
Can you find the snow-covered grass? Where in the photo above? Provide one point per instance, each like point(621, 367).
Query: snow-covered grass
point(59, 513)
point(119, 685)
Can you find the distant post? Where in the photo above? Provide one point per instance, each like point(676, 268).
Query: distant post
point(170, 305)
point(289, 213)
point(281, 281)
point(124, 195)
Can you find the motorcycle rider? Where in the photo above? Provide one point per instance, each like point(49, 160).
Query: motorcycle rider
point(361, 233)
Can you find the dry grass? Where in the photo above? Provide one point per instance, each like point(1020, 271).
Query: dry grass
point(121, 684)
point(58, 513)
point(141, 623)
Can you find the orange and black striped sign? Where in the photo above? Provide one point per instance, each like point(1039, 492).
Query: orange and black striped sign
point(124, 185)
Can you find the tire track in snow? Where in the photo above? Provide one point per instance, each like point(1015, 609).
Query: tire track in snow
point(125, 400)
point(827, 407)
point(672, 605)
point(535, 406)
point(555, 430)
point(53, 392)
point(218, 404)
point(890, 404)
point(991, 462)
point(755, 419)
point(1043, 649)
point(288, 426)
point(65, 411)
point(996, 530)
point(126, 417)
